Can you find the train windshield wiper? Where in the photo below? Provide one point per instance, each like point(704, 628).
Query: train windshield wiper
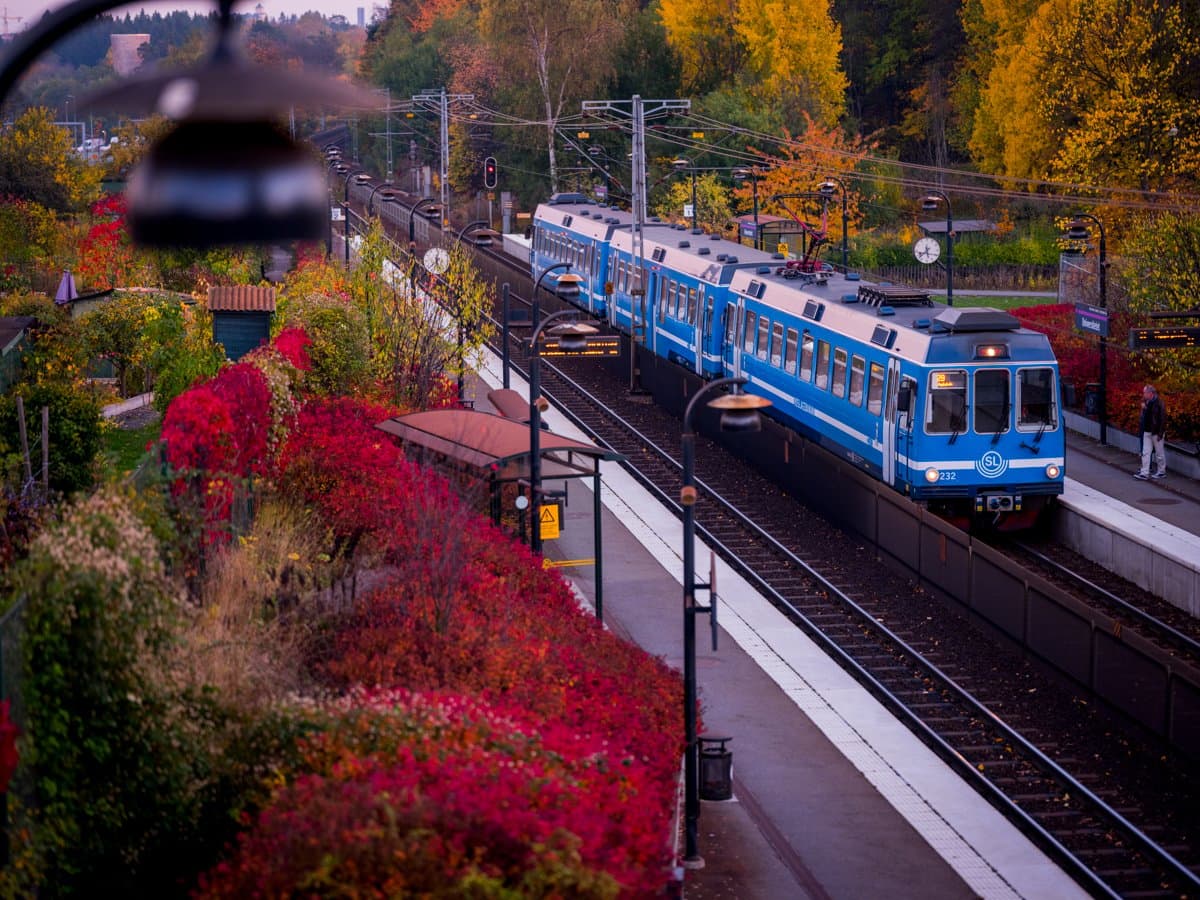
point(1037, 439)
point(1001, 425)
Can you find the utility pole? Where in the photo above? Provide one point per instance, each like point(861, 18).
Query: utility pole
point(637, 110)
point(443, 100)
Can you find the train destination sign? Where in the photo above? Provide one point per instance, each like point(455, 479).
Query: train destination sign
point(1163, 338)
point(597, 345)
point(1092, 319)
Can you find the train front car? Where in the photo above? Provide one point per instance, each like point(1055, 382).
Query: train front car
point(981, 433)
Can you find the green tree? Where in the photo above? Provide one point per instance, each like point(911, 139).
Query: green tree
point(38, 163)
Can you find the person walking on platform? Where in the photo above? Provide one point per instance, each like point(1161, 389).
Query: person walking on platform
point(1153, 425)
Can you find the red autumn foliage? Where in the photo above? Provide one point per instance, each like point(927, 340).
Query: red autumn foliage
point(242, 387)
point(8, 747)
point(293, 343)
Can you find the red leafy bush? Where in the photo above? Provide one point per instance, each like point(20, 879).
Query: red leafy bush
point(440, 796)
point(8, 747)
point(244, 390)
point(293, 343)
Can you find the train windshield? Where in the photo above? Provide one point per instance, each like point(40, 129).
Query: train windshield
point(947, 408)
point(1035, 398)
point(993, 402)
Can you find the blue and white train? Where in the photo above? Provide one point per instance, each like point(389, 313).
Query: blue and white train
point(955, 407)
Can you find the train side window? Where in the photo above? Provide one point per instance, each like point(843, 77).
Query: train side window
point(906, 402)
point(789, 351)
point(839, 372)
point(823, 365)
point(676, 300)
point(875, 389)
point(693, 305)
point(665, 288)
point(730, 327)
point(947, 409)
point(1035, 400)
point(764, 337)
point(858, 367)
point(777, 344)
point(993, 401)
point(806, 356)
point(749, 332)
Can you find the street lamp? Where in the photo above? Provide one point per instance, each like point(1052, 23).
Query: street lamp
point(1078, 230)
point(567, 284)
point(741, 173)
point(358, 177)
point(683, 165)
point(461, 325)
point(931, 203)
point(826, 189)
point(739, 412)
point(388, 195)
point(412, 240)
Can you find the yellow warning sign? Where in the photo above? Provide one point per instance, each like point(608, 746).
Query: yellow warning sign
point(548, 523)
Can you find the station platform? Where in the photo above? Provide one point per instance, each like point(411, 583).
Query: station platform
point(832, 797)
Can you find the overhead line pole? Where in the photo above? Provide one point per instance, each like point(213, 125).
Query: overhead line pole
point(638, 109)
point(443, 101)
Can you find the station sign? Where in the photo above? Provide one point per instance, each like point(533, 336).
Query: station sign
point(597, 345)
point(1092, 319)
point(1163, 338)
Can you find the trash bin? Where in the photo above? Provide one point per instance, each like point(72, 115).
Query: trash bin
point(1091, 399)
point(716, 768)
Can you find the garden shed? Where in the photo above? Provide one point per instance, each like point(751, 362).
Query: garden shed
point(241, 316)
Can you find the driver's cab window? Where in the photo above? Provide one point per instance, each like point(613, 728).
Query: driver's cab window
point(946, 410)
point(1035, 400)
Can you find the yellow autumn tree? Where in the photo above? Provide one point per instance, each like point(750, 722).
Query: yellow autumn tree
point(794, 57)
point(38, 163)
point(703, 34)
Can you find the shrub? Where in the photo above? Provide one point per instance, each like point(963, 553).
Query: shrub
point(74, 429)
point(110, 754)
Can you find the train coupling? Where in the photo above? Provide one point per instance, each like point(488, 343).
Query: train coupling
point(997, 503)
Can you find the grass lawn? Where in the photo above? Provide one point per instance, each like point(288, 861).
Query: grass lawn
point(124, 447)
point(997, 301)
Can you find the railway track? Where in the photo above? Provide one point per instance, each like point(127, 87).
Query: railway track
point(1116, 811)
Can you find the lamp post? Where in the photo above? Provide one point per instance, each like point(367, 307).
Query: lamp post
point(1078, 230)
point(739, 412)
point(388, 195)
point(930, 203)
point(461, 325)
point(742, 173)
point(826, 189)
point(412, 239)
point(358, 178)
point(685, 165)
point(566, 283)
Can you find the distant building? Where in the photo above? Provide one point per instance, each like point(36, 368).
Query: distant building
point(362, 17)
point(125, 57)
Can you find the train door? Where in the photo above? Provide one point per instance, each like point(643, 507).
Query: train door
point(897, 424)
point(651, 310)
point(698, 317)
point(703, 339)
point(732, 351)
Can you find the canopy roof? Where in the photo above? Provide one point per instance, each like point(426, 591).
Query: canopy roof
point(496, 446)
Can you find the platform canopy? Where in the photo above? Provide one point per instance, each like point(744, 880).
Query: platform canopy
point(496, 446)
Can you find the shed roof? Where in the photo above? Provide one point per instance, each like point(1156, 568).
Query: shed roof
point(241, 298)
point(495, 444)
point(11, 329)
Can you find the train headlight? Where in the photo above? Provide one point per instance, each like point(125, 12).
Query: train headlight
point(1053, 471)
point(932, 475)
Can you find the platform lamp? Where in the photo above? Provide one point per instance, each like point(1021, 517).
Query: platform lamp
point(1078, 230)
point(226, 174)
point(358, 177)
point(826, 189)
point(931, 203)
point(388, 196)
point(462, 388)
point(744, 173)
point(739, 413)
point(566, 287)
point(685, 165)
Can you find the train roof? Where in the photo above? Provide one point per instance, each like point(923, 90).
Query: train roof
point(576, 213)
point(907, 321)
point(693, 252)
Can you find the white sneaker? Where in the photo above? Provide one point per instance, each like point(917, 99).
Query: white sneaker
point(1140, 477)
point(1160, 475)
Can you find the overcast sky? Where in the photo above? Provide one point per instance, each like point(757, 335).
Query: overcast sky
point(32, 10)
